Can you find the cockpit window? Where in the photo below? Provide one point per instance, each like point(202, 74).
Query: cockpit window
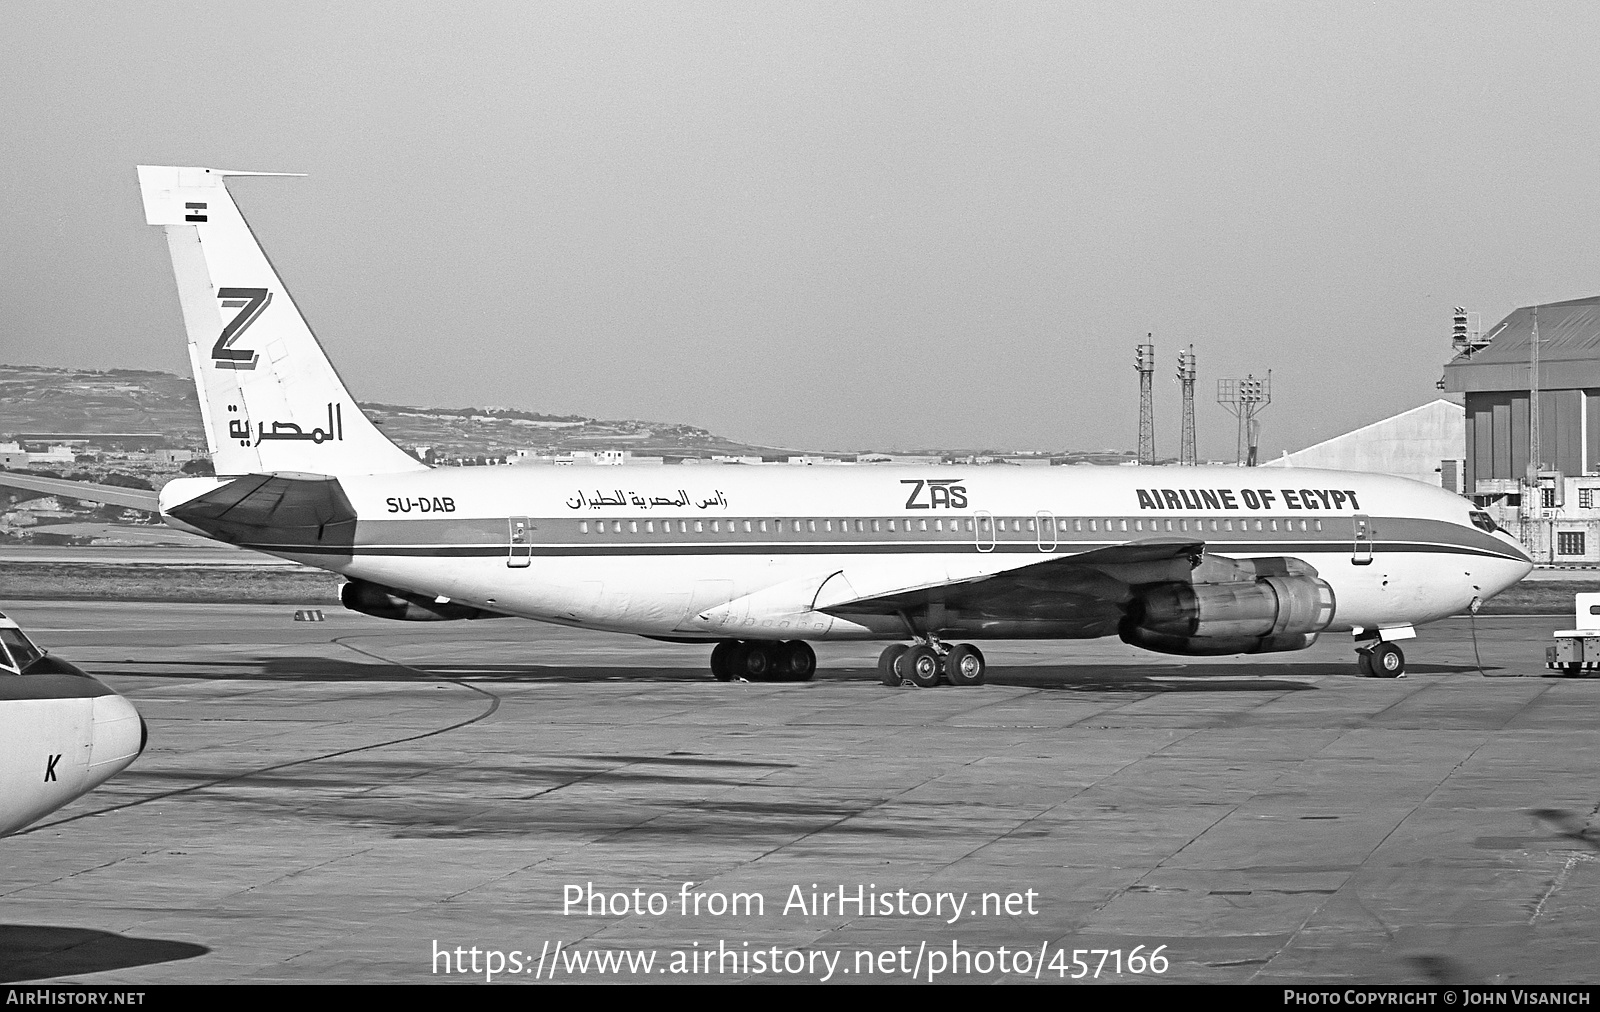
point(1484, 522)
point(22, 651)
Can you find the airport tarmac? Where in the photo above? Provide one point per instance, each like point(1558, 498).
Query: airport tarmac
point(206, 553)
point(338, 801)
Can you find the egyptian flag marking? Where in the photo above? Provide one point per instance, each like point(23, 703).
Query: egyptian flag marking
point(197, 212)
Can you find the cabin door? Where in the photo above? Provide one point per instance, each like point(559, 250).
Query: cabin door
point(983, 530)
point(1047, 537)
point(1365, 535)
point(519, 552)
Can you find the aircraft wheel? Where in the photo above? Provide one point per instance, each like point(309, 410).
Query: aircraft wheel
point(964, 665)
point(754, 661)
point(1364, 663)
point(797, 662)
point(1388, 661)
point(889, 664)
point(921, 665)
point(722, 660)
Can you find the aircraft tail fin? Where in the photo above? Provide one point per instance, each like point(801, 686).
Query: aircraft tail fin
point(270, 398)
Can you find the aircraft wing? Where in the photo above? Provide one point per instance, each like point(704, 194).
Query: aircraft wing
point(113, 495)
point(1091, 587)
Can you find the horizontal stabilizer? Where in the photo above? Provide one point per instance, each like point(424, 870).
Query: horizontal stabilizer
point(112, 495)
point(274, 511)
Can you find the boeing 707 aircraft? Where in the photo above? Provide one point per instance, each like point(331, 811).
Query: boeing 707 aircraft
point(62, 733)
point(757, 562)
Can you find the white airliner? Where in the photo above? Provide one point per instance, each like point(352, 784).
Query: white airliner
point(760, 560)
point(62, 733)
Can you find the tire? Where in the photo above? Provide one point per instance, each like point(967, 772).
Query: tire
point(1388, 661)
point(755, 661)
point(964, 665)
point(722, 660)
point(889, 664)
point(1572, 669)
point(921, 665)
point(1364, 663)
point(797, 662)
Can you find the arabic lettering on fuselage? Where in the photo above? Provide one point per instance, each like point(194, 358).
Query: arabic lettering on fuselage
point(1247, 498)
point(616, 497)
point(240, 429)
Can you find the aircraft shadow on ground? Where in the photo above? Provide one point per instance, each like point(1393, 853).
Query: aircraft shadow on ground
point(673, 797)
point(41, 951)
point(560, 796)
point(1570, 825)
point(1206, 677)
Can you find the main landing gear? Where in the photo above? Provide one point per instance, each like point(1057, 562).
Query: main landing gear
point(926, 664)
point(763, 661)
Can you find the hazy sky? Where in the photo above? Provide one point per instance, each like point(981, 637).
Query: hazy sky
point(839, 225)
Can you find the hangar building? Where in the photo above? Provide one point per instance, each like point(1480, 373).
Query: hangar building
point(1492, 371)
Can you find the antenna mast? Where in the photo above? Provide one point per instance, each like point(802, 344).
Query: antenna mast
point(1535, 451)
point(1532, 494)
point(1186, 374)
point(1145, 362)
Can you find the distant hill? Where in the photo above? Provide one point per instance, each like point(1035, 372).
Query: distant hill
point(40, 399)
point(43, 399)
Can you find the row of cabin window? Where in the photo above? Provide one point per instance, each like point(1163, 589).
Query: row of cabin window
point(1000, 525)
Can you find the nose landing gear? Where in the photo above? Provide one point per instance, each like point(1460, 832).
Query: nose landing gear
point(1381, 660)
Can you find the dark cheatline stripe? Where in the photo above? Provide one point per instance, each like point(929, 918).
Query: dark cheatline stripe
point(50, 685)
point(565, 537)
point(1341, 549)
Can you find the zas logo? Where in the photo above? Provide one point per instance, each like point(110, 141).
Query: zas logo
point(938, 493)
point(249, 302)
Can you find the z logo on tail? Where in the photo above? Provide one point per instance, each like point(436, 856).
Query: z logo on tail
point(250, 302)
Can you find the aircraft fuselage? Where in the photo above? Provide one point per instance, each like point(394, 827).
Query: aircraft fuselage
point(712, 552)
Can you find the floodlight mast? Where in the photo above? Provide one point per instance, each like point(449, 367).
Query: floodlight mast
point(1245, 398)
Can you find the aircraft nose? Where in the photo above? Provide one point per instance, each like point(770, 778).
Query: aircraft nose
point(1518, 551)
point(1508, 571)
point(118, 736)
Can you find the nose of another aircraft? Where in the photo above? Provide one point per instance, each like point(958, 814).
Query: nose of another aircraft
point(118, 737)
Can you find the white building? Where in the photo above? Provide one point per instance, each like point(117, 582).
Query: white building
point(60, 453)
point(1426, 444)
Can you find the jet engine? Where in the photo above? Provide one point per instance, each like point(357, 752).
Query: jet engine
point(402, 605)
point(1232, 606)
